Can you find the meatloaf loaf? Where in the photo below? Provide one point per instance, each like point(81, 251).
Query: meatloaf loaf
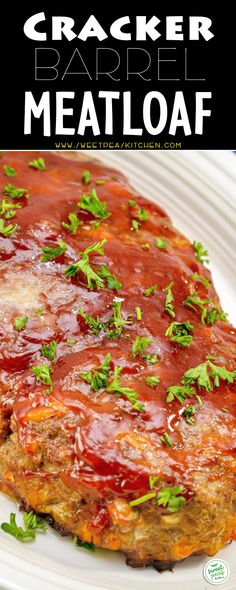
point(118, 396)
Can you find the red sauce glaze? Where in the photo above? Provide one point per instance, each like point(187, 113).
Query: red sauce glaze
point(111, 445)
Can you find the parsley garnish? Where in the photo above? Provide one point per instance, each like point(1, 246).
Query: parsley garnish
point(203, 280)
point(189, 413)
point(34, 522)
point(169, 299)
point(181, 392)
point(117, 320)
point(165, 438)
point(99, 181)
point(135, 224)
point(74, 223)
point(20, 322)
point(112, 282)
point(52, 253)
point(142, 214)
point(142, 499)
point(84, 544)
point(9, 171)
point(7, 230)
point(138, 312)
point(83, 266)
point(43, 375)
point(151, 291)
point(17, 531)
point(140, 344)
point(14, 192)
point(153, 479)
point(207, 375)
point(170, 498)
point(120, 391)
point(6, 207)
point(49, 350)
point(93, 205)
point(200, 252)
point(95, 325)
point(161, 243)
point(132, 203)
point(152, 380)
point(38, 164)
point(209, 315)
point(98, 376)
point(145, 246)
point(71, 342)
point(179, 332)
point(86, 177)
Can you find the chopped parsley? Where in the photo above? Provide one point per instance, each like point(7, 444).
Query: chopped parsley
point(141, 214)
point(111, 280)
point(93, 205)
point(38, 164)
point(132, 203)
point(52, 253)
point(95, 325)
point(99, 181)
point(170, 498)
point(138, 312)
point(153, 479)
point(21, 322)
point(152, 380)
point(139, 346)
point(86, 177)
point(84, 544)
point(6, 207)
point(34, 522)
point(135, 224)
point(71, 342)
point(74, 223)
point(161, 243)
point(200, 252)
point(97, 378)
point(142, 499)
point(151, 291)
point(49, 350)
point(169, 300)
point(9, 171)
point(196, 277)
point(7, 230)
point(83, 266)
point(126, 392)
point(43, 375)
point(207, 375)
point(17, 531)
point(14, 192)
point(117, 320)
point(165, 438)
point(209, 315)
point(180, 392)
point(145, 246)
point(189, 413)
point(179, 332)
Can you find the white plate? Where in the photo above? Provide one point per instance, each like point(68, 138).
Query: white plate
point(198, 191)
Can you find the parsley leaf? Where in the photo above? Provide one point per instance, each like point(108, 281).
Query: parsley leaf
point(135, 224)
point(9, 171)
point(180, 392)
point(86, 177)
point(43, 375)
point(98, 376)
point(204, 373)
point(112, 282)
point(6, 206)
point(84, 544)
point(49, 350)
point(17, 531)
point(117, 320)
point(200, 252)
point(140, 344)
point(34, 522)
point(120, 391)
point(93, 205)
point(196, 277)
point(142, 499)
point(179, 332)
point(132, 203)
point(38, 164)
point(165, 438)
point(169, 300)
point(52, 253)
point(14, 192)
point(161, 243)
point(74, 223)
point(95, 325)
point(20, 322)
point(170, 498)
point(189, 413)
point(141, 214)
point(7, 230)
point(209, 315)
point(152, 380)
point(83, 266)
point(153, 479)
point(138, 312)
point(151, 291)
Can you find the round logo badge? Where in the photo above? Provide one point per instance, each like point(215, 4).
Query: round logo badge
point(216, 571)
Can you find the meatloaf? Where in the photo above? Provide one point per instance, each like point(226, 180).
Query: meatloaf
point(118, 396)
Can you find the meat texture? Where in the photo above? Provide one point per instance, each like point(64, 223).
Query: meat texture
point(118, 397)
